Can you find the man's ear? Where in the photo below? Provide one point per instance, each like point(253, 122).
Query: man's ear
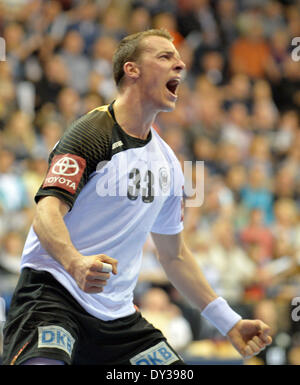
point(131, 70)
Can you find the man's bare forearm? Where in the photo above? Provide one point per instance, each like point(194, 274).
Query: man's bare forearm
point(187, 277)
point(184, 273)
point(52, 232)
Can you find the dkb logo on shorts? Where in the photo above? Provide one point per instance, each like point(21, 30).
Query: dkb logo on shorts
point(55, 337)
point(159, 354)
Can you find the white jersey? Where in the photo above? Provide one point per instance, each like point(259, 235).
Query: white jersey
point(120, 189)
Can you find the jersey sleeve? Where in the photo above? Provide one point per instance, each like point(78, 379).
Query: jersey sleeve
point(85, 143)
point(170, 217)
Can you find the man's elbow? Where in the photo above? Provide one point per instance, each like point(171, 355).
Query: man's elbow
point(167, 258)
point(36, 223)
point(42, 211)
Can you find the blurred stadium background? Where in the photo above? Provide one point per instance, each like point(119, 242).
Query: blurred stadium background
point(238, 111)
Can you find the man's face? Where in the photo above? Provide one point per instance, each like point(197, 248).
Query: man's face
point(160, 69)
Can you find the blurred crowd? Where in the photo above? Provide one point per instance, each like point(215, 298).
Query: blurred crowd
point(238, 111)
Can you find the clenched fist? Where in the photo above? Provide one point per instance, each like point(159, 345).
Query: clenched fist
point(250, 337)
point(91, 272)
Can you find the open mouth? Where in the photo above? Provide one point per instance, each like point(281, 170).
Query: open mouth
point(172, 86)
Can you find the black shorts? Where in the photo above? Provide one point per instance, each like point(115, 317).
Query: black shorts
point(44, 320)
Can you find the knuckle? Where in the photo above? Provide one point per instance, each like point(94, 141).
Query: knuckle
point(85, 286)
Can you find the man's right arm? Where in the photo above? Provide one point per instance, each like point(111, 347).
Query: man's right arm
point(54, 236)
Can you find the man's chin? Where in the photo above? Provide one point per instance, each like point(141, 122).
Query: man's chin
point(169, 106)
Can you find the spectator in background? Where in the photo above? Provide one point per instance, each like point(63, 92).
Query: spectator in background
point(218, 203)
point(260, 154)
point(256, 233)
point(19, 135)
point(212, 64)
point(238, 90)
point(292, 14)
point(279, 275)
point(236, 180)
point(85, 23)
point(236, 129)
point(103, 51)
point(198, 24)
point(50, 133)
point(78, 64)
point(13, 195)
point(91, 101)
point(68, 103)
point(156, 307)
point(33, 176)
point(139, 20)
point(174, 137)
point(286, 224)
point(262, 93)
point(226, 15)
point(53, 22)
point(257, 193)
point(14, 38)
point(292, 159)
point(112, 21)
point(205, 150)
point(228, 155)
point(273, 18)
point(286, 134)
point(279, 50)
point(19, 47)
point(8, 103)
point(208, 113)
point(285, 186)
point(250, 52)
point(55, 77)
point(10, 260)
point(264, 117)
point(156, 6)
point(168, 20)
point(286, 90)
point(234, 269)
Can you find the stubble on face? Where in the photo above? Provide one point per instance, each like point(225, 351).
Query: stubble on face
point(159, 65)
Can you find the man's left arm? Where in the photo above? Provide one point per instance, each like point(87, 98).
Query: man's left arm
point(249, 337)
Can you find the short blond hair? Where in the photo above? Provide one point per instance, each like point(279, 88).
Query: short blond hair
point(130, 49)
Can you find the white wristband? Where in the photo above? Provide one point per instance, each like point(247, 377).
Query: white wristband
point(220, 314)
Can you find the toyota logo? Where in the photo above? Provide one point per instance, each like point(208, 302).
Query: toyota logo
point(65, 166)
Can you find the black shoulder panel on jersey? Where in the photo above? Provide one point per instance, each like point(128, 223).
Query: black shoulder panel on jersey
point(89, 138)
point(121, 141)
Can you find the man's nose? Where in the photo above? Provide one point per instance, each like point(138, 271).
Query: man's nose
point(180, 66)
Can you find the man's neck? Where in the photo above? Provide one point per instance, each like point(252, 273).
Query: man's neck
point(132, 116)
